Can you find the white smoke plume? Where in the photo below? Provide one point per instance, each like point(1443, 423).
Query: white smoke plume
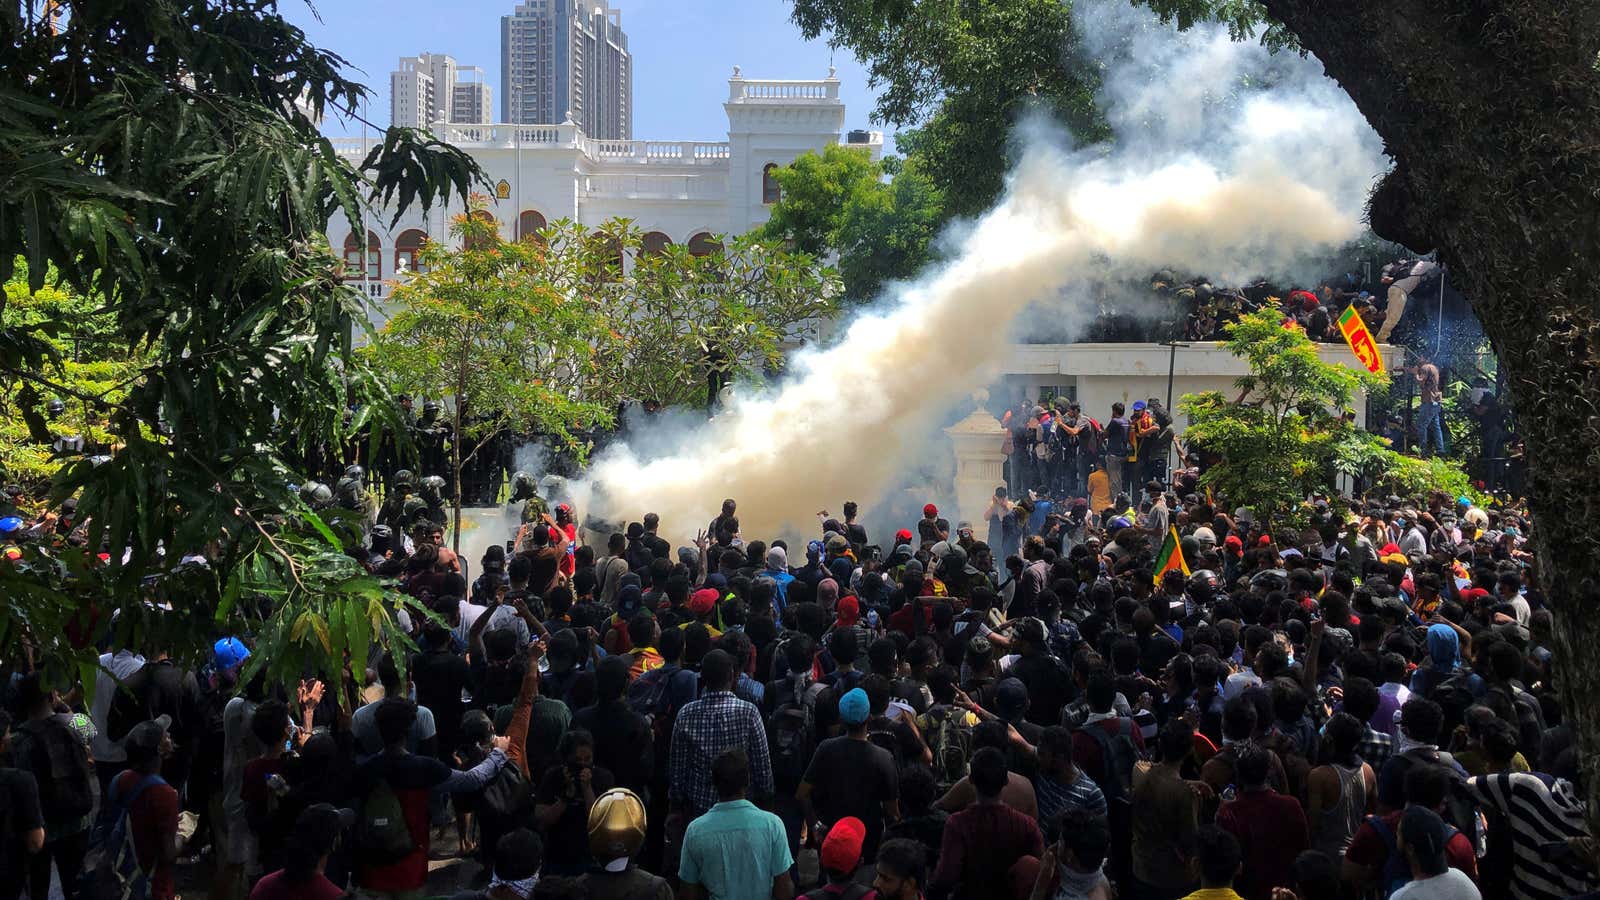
point(1228, 161)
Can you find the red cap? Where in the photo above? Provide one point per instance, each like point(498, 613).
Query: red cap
point(841, 849)
point(1266, 539)
point(903, 534)
point(1233, 542)
point(1473, 595)
point(703, 601)
point(1389, 549)
point(930, 511)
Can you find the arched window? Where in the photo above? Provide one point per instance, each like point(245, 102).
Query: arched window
point(703, 244)
point(486, 216)
point(407, 248)
point(529, 224)
point(612, 255)
point(770, 192)
point(654, 244)
point(352, 256)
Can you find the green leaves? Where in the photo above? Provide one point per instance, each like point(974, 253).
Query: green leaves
point(838, 202)
point(1290, 432)
point(164, 187)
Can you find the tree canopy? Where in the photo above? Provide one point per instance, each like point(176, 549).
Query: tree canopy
point(964, 74)
point(164, 159)
point(1291, 428)
point(840, 202)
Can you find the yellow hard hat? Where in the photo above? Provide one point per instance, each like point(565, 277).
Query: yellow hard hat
point(616, 825)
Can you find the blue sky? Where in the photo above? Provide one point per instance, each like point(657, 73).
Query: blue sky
point(683, 51)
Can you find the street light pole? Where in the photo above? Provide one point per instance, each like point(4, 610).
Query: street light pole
point(1172, 366)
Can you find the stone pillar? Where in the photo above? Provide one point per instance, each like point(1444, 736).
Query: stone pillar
point(978, 441)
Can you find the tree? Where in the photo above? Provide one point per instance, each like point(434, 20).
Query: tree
point(887, 230)
point(1291, 427)
point(164, 159)
point(814, 193)
point(485, 327)
point(966, 73)
point(839, 202)
point(94, 370)
point(1491, 112)
point(680, 326)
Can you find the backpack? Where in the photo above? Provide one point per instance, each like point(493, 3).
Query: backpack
point(508, 795)
point(381, 833)
point(65, 791)
point(1118, 755)
point(880, 731)
point(111, 869)
point(791, 736)
point(648, 696)
point(955, 650)
point(1396, 870)
point(951, 744)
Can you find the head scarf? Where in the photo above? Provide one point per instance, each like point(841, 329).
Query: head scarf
point(849, 611)
point(1444, 648)
point(828, 594)
point(777, 559)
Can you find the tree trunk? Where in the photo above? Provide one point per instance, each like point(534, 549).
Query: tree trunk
point(1491, 111)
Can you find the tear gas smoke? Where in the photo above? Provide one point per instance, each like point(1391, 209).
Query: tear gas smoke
point(1210, 173)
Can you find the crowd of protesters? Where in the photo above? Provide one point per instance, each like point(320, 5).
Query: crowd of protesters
point(1129, 690)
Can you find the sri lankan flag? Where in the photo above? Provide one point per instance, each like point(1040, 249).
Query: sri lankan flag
point(1361, 341)
point(1170, 557)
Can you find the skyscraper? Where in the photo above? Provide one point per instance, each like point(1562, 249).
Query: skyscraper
point(432, 87)
point(567, 56)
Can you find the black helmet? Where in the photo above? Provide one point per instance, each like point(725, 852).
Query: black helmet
point(56, 407)
point(316, 493)
point(522, 487)
point(414, 507)
point(431, 406)
point(435, 482)
point(348, 487)
point(404, 476)
point(355, 471)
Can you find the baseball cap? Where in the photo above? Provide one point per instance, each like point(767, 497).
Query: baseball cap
point(930, 511)
point(147, 735)
point(1423, 832)
point(1010, 697)
point(853, 707)
point(702, 601)
point(1138, 405)
point(229, 652)
point(903, 534)
point(841, 849)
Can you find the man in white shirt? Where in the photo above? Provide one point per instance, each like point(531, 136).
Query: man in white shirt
point(1421, 838)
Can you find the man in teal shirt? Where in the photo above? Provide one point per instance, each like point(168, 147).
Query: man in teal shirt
point(735, 851)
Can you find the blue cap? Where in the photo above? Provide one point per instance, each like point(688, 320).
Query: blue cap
point(1138, 405)
point(1119, 522)
point(229, 652)
point(10, 525)
point(853, 707)
point(1463, 500)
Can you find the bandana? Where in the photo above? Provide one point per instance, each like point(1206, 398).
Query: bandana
point(522, 887)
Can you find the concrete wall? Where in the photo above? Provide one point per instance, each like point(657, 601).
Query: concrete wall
point(1102, 374)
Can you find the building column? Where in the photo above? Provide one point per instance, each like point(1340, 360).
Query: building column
point(978, 441)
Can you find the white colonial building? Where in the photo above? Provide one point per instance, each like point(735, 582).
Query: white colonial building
point(681, 192)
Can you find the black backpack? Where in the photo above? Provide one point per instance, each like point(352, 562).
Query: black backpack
point(508, 795)
point(1119, 756)
point(791, 735)
point(65, 790)
point(880, 731)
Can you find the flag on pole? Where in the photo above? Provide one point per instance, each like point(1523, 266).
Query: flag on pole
point(1361, 341)
point(1170, 557)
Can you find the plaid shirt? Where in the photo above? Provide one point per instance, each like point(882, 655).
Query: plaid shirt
point(705, 728)
point(1375, 747)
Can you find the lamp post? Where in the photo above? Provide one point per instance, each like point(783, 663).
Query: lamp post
point(1172, 366)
